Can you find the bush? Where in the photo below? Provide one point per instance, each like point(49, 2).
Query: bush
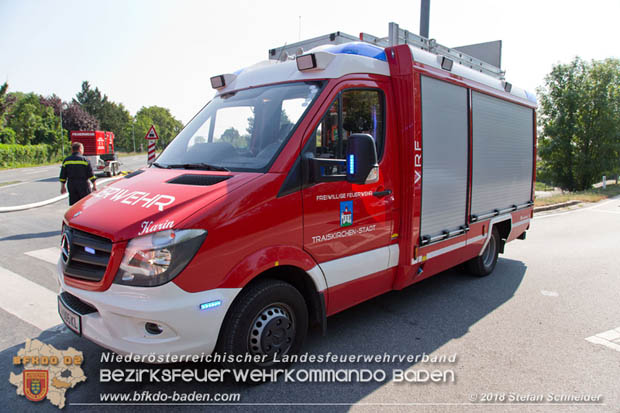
point(7, 135)
point(19, 155)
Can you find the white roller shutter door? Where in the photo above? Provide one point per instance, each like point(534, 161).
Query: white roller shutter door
point(502, 154)
point(444, 156)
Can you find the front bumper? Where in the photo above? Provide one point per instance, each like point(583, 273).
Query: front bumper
point(118, 323)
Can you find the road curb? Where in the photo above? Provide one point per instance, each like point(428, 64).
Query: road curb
point(47, 201)
point(555, 206)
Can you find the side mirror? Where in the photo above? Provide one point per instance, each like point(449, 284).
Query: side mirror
point(362, 166)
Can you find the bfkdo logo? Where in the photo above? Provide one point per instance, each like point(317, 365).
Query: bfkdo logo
point(346, 213)
point(48, 373)
point(35, 384)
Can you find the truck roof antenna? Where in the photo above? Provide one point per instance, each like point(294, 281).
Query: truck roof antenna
point(282, 51)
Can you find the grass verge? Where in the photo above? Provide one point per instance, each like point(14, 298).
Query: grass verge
point(541, 186)
point(591, 195)
point(125, 154)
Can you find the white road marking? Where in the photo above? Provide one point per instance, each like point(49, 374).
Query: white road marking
point(28, 301)
point(49, 201)
point(28, 182)
point(609, 338)
point(12, 185)
point(50, 255)
point(607, 212)
point(549, 293)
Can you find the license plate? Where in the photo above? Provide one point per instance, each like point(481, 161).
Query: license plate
point(71, 319)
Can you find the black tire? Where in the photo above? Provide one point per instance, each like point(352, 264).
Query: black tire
point(484, 264)
point(269, 316)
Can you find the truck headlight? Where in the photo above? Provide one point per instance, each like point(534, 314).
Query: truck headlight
point(157, 258)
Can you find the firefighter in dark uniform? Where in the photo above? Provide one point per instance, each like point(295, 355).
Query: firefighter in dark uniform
point(77, 174)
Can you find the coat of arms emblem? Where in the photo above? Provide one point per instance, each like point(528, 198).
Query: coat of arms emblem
point(36, 384)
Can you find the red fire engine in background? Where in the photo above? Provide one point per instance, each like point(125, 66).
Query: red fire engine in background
point(310, 183)
point(99, 150)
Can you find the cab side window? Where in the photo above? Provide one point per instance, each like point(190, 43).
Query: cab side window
point(353, 111)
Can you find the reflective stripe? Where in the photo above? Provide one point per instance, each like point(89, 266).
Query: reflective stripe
point(92, 178)
point(439, 252)
point(342, 270)
point(85, 163)
point(62, 180)
point(525, 221)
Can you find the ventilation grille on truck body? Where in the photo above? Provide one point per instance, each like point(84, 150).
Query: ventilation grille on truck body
point(89, 256)
point(199, 180)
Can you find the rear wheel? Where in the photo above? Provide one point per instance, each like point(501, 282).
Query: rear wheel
point(484, 264)
point(269, 318)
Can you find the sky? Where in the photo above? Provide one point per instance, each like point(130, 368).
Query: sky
point(156, 52)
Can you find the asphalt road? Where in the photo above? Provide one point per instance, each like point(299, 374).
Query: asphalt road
point(28, 185)
point(520, 332)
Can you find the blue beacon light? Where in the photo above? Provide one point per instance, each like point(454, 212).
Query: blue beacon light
point(351, 164)
point(210, 304)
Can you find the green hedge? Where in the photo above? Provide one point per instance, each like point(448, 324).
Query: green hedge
point(18, 155)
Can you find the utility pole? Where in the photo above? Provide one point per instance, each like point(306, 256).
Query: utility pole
point(133, 133)
point(62, 135)
point(425, 11)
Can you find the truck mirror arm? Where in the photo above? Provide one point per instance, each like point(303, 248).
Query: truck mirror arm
point(319, 166)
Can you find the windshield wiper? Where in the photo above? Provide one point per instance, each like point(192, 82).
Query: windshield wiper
point(158, 165)
point(199, 165)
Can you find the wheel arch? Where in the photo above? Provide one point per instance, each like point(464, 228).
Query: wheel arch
point(291, 265)
point(504, 226)
point(305, 284)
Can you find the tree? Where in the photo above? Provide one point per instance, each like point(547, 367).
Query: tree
point(232, 136)
point(76, 118)
point(4, 104)
point(114, 117)
point(579, 119)
point(33, 122)
point(111, 116)
point(53, 102)
point(7, 135)
point(91, 100)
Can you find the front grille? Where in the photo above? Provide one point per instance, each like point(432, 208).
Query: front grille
point(76, 304)
point(89, 256)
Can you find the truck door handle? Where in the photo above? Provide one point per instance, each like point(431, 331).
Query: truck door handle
point(381, 194)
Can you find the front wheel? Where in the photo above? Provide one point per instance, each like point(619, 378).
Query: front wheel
point(269, 319)
point(484, 264)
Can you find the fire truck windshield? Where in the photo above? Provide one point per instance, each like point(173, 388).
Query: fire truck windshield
point(241, 131)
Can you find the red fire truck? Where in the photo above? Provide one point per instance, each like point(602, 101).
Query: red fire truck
point(307, 185)
point(99, 150)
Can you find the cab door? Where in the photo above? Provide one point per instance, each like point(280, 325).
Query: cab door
point(348, 227)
